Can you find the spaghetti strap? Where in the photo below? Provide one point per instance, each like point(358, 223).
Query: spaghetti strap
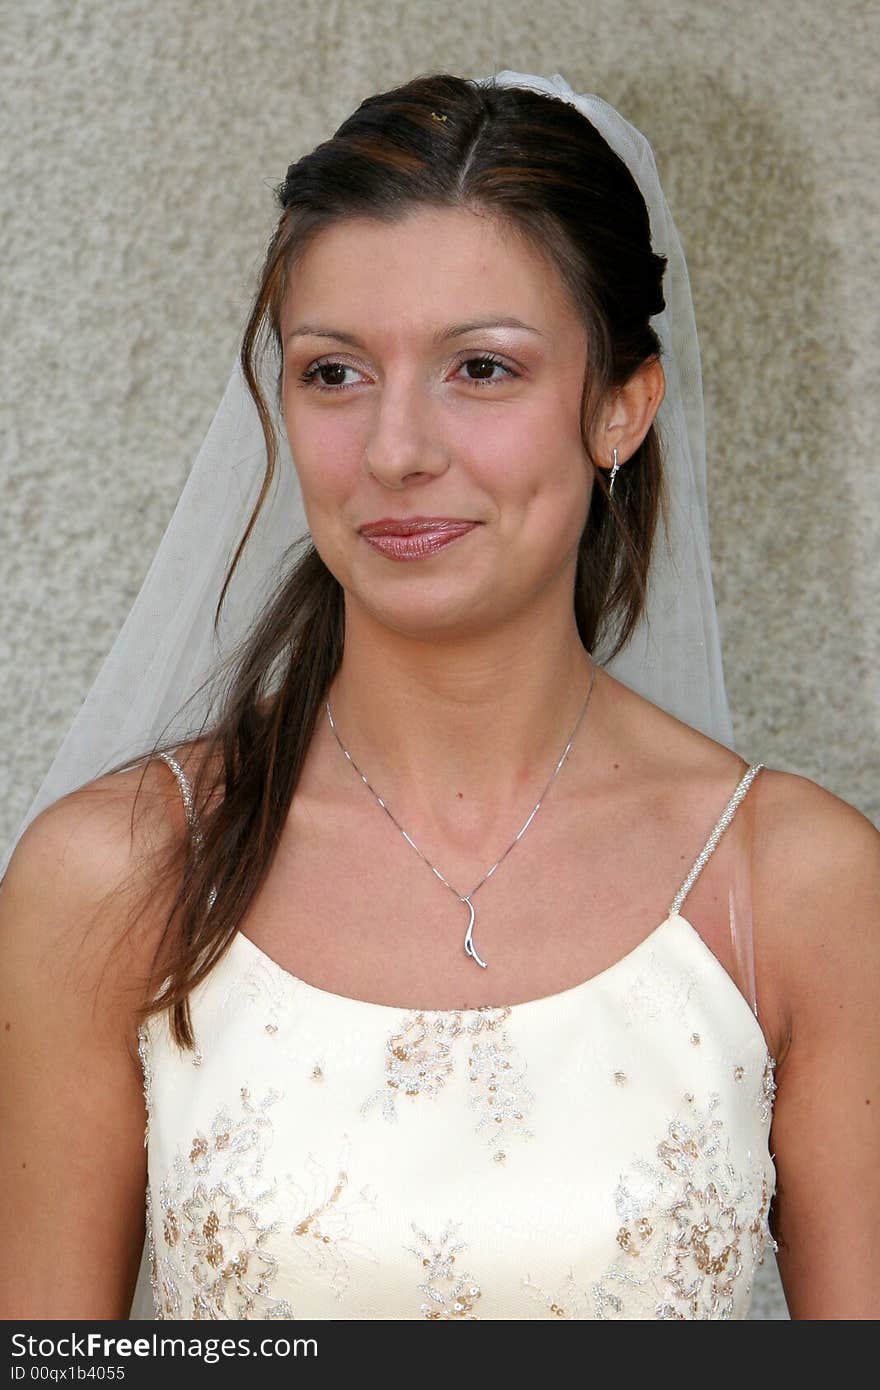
point(723, 822)
point(186, 793)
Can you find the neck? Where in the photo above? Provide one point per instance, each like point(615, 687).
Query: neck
point(457, 733)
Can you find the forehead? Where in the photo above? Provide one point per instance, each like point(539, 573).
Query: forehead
point(433, 265)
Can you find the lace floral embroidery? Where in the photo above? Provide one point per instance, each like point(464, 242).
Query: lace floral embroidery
point(214, 1261)
point(566, 1301)
point(263, 988)
point(693, 1228)
point(421, 1055)
point(657, 992)
point(324, 1206)
point(449, 1292)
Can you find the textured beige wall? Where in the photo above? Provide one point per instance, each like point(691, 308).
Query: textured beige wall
point(141, 139)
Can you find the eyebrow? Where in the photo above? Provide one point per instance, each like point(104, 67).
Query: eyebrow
point(455, 330)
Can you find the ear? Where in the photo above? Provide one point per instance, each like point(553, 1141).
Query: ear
point(630, 413)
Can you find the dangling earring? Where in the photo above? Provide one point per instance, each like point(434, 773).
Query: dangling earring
point(613, 471)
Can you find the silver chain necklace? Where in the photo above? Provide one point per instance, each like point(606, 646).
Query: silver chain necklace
point(470, 948)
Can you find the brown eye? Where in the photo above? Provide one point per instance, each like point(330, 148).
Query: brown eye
point(485, 364)
point(317, 374)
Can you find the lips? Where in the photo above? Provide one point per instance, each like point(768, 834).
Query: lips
point(416, 525)
point(420, 544)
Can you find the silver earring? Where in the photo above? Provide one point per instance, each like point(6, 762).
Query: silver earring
point(613, 471)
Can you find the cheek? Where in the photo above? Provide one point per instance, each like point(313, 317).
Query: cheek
point(325, 457)
point(534, 463)
point(549, 524)
point(317, 434)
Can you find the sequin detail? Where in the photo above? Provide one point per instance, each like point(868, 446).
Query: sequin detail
point(214, 1261)
point(421, 1056)
point(694, 1227)
point(449, 1293)
point(143, 1047)
point(145, 1055)
point(768, 1090)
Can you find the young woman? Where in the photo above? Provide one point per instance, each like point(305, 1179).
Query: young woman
point(456, 968)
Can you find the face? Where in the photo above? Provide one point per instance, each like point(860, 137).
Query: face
point(396, 405)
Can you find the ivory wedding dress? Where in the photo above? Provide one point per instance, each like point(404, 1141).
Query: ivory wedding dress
point(601, 1152)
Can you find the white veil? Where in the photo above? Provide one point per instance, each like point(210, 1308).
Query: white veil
point(149, 686)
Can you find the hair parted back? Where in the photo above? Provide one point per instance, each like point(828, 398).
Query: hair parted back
point(537, 164)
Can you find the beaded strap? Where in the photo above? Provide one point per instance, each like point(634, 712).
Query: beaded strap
point(723, 822)
point(186, 793)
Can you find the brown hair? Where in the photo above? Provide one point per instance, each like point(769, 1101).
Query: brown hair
point(536, 164)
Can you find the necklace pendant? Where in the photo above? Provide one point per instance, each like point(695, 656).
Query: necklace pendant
point(470, 948)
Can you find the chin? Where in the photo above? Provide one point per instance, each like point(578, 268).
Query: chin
point(433, 615)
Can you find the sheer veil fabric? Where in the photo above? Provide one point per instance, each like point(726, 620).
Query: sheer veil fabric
point(155, 682)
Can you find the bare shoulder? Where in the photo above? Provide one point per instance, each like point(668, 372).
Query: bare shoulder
point(97, 836)
point(817, 897)
point(812, 843)
point(82, 898)
point(98, 829)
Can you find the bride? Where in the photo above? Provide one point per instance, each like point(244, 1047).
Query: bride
point(353, 996)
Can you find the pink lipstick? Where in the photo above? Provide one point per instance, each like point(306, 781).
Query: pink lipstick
point(418, 543)
point(411, 537)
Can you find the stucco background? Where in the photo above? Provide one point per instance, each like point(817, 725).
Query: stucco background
point(140, 143)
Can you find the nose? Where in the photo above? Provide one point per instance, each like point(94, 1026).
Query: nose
point(406, 440)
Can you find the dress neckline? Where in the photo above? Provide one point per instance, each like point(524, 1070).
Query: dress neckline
point(673, 920)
